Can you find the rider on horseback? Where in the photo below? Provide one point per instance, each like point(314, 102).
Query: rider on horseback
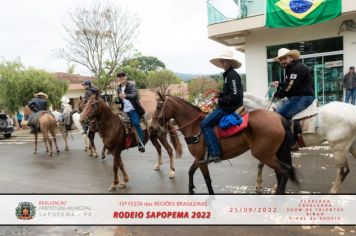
point(128, 98)
point(66, 110)
point(37, 104)
point(89, 91)
point(297, 87)
point(229, 100)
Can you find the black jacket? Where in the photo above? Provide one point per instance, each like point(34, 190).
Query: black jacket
point(88, 93)
point(38, 104)
point(131, 95)
point(298, 82)
point(232, 95)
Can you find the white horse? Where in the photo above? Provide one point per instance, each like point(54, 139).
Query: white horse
point(75, 126)
point(337, 126)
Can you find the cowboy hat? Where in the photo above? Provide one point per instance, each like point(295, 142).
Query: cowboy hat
point(41, 94)
point(282, 52)
point(226, 55)
point(64, 99)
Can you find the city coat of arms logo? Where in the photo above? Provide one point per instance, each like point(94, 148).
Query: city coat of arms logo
point(25, 211)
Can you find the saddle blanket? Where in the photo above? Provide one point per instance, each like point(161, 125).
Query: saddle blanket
point(234, 130)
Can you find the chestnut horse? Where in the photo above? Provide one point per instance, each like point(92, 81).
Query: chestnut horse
point(266, 135)
point(113, 134)
point(47, 124)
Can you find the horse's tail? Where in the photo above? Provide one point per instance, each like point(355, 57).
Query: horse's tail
point(284, 153)
point(175, 139)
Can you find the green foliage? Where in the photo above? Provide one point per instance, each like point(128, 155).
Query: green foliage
point(137, 75)
point(19, 84)
point(200, 85)
point(144, 63)
point(161, 79)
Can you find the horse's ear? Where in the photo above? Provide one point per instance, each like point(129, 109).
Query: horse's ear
point(160, 96)
point(80, 98)
point(168, 92)
point(96, 94)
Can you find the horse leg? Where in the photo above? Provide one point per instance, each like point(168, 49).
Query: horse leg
point(103, 151)
point(36, 136)
point(124, 173)
point(191, 172)
point(115, 168)
point(259, 177)
point(154, 140)
point(53, 133)
point(86, 149)
point(342, 167)
point(65, 137)
point(164, 141)
point(205, 171)
point(46, 139)
point(92, 144)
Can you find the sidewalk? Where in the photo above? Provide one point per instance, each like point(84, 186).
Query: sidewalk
point(22, 133)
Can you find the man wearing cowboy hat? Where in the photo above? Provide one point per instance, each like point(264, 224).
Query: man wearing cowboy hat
point(66, 110)
point(298, 85)
point(229, 100)
point(37, 104)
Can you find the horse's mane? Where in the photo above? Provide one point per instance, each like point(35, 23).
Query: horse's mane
point(186, 102)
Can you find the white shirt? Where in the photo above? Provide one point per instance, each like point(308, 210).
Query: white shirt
point(127, 104)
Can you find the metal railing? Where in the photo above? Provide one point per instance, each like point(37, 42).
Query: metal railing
point(225, 10)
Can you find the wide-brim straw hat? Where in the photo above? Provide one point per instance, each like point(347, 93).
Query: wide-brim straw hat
point(41, 94)
point(64, 99)
point(282, 52)
point(226, 55)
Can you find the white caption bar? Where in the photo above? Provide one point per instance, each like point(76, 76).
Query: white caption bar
point(178, 209)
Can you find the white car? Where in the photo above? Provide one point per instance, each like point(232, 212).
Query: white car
point(6, 125)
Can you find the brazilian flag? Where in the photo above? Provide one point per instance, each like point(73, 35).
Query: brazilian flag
point(295, 13)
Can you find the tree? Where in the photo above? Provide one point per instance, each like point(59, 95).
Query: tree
point(161, 79)
point(144, 63)
point(19, 84)
point(98, 37)
point(198, 86)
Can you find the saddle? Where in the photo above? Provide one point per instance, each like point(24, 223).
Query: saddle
point(305, 122)
point(145, 121)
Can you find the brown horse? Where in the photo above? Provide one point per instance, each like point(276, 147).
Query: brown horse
point(47, 124)
point(266, 135)
point(113, 134)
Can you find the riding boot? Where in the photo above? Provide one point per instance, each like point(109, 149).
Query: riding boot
point(210, 159)
point(141, 146)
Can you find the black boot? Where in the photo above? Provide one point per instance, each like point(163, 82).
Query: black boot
point(141, 146)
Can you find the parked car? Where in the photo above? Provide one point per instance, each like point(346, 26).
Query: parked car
point(6, 125)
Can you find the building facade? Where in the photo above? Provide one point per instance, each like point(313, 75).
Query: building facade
point(328, 49)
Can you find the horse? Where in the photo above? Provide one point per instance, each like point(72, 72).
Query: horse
point(268, 143)
point(158, 137)
point(47, 124)
point(75, 126)
point(337, 126)
point(112, 131)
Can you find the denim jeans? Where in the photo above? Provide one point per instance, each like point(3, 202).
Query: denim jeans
point(350, 93)
point(207, 129)
point(135, 119)
point(294, 105)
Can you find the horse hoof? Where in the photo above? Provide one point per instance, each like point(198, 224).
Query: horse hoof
point(66, 149)
point(112, 189)
point(126, 179)
point(96, 155)
point(157, 167)
point(171, 174)
point(122, 186)
point(57, 151)
point(34, 152)
point(50, 154)
point(191, 192)
point(258, 189)
point(103, 157)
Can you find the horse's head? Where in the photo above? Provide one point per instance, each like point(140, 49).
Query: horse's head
point(163, 113)
point(81, 104)
point(92, 108)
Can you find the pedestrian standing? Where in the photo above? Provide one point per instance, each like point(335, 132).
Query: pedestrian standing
point(19, 117)
point(349, 83)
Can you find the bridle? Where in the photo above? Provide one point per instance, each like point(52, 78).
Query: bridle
point(162, 113)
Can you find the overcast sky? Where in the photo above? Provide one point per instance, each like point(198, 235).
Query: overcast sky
point(175, 31)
